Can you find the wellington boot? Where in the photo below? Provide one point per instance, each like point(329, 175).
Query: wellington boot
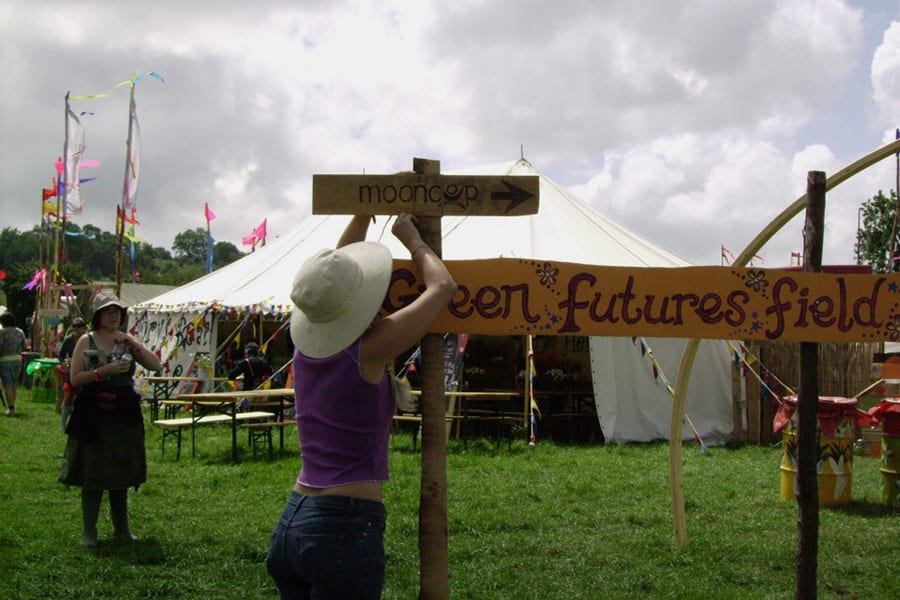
point(118, 507)
point(90, 509)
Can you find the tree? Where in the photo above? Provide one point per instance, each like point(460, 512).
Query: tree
point(873, 240)
point(225, 253)
point(190, 246)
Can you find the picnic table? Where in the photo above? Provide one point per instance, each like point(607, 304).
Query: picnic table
point(221, 407)
point(167, 387)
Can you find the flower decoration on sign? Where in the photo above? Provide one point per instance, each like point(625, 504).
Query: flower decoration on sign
point(757, 280)
point(547, 273)
point(893, 328)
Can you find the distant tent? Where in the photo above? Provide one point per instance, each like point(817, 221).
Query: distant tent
point(632, 403)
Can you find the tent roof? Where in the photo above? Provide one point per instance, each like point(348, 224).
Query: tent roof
point(565, 229)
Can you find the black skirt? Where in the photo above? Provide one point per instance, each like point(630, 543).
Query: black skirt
point(105, 447)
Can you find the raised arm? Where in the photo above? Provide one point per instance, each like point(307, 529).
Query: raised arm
point(401, 330)
point(355, 231)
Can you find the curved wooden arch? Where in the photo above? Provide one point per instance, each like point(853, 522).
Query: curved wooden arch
point(690, 350)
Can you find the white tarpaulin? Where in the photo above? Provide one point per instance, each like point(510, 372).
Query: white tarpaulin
point(565, 229)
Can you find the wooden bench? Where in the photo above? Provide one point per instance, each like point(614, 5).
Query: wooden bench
point(174, 427)
point(417, 419)
point(261, 433)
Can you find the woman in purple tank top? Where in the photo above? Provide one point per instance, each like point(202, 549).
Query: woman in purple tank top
point(328, 542)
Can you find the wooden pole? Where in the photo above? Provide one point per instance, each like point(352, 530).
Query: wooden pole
point(737, 402)
point(808, 407)
point(434, 571)
point(892, 245)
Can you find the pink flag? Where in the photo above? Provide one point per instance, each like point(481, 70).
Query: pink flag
point(260, 232)
point(258, 235)
point(210, 215)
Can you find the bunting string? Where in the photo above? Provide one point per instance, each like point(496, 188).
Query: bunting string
point(740, 353)
point(659, 375)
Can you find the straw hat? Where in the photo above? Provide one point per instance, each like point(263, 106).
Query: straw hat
point(337, 294)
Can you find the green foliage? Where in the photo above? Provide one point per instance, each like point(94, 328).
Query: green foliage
point(556, 522)
point(873, 241)
point(89, 254)
point(225, 253)
point(191, 245)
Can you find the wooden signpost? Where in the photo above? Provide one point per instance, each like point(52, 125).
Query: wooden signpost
point(429, 195)
point(426, 194)
point(529, 296)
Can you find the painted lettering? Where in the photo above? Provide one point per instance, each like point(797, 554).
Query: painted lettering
point(570, 304)
point(864, 308)
point(627, 296)
point(736, 315)
point(680, 301)
point(522, 289)
point(461, 300)
point(419, 193)
point(486, 301)
point(779, 308)
point(410, 293)
point(709, 309)
point(662, 315)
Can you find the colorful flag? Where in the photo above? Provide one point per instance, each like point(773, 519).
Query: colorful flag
point(71, 162)
point(258, 235)
point(207, 211)
point(133, 168)
point(260, 232)
point(727, 255)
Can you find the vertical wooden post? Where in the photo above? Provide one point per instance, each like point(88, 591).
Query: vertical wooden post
point(434, 572)
point(737, 404)
point(754, 400)
point(808, 406)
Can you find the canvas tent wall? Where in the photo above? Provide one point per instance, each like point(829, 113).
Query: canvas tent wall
point(632, 404)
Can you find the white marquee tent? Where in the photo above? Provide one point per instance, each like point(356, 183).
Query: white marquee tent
point(632, 404)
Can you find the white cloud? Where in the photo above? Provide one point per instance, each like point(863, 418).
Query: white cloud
point(886, 73)
point(692, 123)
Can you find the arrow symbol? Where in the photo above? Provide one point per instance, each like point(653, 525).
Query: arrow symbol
point(513, 193)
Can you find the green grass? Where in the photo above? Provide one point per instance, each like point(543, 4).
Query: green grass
point(557, 522)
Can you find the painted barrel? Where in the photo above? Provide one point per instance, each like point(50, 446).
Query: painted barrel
point(890, 453)
point(835, 456)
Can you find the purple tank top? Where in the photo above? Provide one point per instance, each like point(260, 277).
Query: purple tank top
point(343, 421)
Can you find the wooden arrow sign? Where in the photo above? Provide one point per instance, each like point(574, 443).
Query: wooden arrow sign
point(429, 195)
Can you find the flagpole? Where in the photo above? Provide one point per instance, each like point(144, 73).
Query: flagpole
point(120, 210)
point(59, 240)
point(209, 242)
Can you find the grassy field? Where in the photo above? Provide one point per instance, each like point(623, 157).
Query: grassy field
point(557, 522)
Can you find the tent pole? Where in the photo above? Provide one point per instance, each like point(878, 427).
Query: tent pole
point(676, 427)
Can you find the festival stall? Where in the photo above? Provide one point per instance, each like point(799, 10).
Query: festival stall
point(631, 379)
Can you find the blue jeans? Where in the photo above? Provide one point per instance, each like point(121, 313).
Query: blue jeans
point(328, 547)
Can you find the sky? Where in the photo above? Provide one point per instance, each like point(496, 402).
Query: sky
point(693, 123)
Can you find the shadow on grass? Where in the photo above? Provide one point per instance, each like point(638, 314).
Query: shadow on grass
point(141, 552)
point(864, 508)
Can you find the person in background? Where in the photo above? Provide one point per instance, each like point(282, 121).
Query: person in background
point(328, 542)
point(254, 368)
point(12, 345)
point(79, 328)
point(105, 448)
